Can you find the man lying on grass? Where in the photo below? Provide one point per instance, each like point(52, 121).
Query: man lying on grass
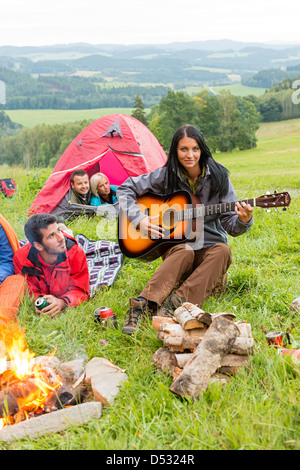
point(55, 266)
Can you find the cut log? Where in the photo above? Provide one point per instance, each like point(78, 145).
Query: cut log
point(241, 345)
point(158, 320)
point(57, 421)
point(206, 360)
point(165, 360)
point(229, 363)
point(168, 329)
point(173, 364)
point(178, 339)
point(230, 316)
point(182, 359)
point(190, 316)
point(181, 343)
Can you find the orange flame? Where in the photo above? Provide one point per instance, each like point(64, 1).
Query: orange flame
point(32, 383)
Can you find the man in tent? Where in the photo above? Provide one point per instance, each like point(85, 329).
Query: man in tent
point(55, 266)
point(11, 286)
point(79, 193)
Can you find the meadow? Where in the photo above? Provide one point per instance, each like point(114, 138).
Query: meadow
point(259, 408)
point(33, 117)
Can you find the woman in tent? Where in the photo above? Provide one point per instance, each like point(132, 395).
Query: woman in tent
point(103, 192)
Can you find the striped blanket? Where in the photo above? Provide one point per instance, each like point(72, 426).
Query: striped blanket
point(104, 260)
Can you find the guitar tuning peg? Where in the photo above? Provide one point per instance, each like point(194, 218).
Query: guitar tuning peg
point(268, 210)
point(284, 208)
point(275, 192)
point(268, 192)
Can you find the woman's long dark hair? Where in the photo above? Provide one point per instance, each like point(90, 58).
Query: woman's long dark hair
point(219, 174)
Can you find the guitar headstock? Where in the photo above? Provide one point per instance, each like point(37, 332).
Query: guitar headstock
point(282, 199)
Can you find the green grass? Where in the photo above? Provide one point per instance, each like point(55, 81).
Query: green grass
point(33, 117)
point(240, 90)
point(259, 408)
point(236, 89)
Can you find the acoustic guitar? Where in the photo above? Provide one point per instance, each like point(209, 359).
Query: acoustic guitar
point(176, 214)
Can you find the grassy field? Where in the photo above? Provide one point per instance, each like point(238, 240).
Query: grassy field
point(236, 89)
point(33, 117)
point(259, 408)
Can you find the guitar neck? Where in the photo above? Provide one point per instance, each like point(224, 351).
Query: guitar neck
point(214, 209)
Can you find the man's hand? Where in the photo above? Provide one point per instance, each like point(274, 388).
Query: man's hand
point(244, 211)
point(54, 308)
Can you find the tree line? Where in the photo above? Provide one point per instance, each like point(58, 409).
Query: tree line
point(60, 92)
point(226, 121)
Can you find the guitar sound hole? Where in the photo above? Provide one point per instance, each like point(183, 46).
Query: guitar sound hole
point(169, 218)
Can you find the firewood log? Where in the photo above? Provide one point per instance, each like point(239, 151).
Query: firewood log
point(173, 364)
point(168, 329)
point(158, 320)
point(178, 339)
point(241, 345)
point(229, 363)
point(206, 359)
point(165, 360)
point(190, 316)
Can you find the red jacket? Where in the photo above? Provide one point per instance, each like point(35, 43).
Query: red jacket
point(68, 279)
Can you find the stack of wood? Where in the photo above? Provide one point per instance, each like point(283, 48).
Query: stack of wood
point(200, 347)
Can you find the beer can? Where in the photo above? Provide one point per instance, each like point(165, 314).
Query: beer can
point(41, 303)
point(106, 317)
point(275, 338)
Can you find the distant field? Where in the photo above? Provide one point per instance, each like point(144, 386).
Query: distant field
point(33, 117)
point(237, 89)
point(240, 90)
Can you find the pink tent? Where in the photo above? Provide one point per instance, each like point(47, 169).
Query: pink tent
point(117, 145)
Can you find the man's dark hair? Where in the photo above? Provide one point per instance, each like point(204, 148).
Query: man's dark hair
point(34, 224)
point(77, 173)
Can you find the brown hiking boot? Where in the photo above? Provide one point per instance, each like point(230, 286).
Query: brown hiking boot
point(169, 305)
point(138, 310)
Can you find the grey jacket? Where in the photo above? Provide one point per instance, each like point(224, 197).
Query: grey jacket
point(216, 227)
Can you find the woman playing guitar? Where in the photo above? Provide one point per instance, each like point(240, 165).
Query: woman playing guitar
point(201, 262)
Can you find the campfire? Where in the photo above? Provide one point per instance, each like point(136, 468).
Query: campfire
point(29, 386)
point(57, 394)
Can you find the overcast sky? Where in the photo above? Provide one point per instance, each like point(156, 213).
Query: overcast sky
point(40, 22)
